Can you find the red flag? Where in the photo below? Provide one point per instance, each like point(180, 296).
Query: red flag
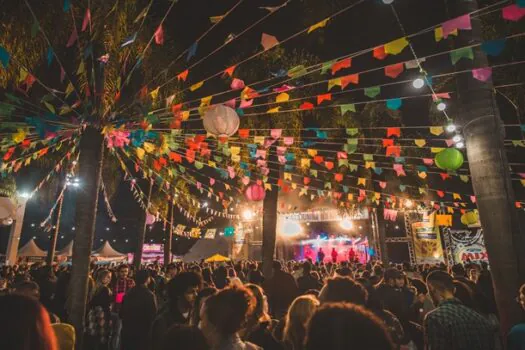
point(393, 132)
point(72, 38)
point(306, 106)
point(87, 20)
point(388, 142)
point(244, 133)
point(325, 97)
point(337, 66)
point(183, 76)
point(394, 70)
point(352, 78)
point(229, 71)
point(159, 36)
point(379, 53)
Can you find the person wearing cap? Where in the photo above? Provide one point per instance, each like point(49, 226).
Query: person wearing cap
point(137, 313)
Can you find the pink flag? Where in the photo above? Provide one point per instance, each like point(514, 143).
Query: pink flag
point(462, 22)
point(230, 103)
point(473, 199)
point(441, 95)
point(212, 181)
point(246, 180)
point(284, 88)
point(428, 161)
point(72, 38)
point(276, 133)
point(513, 13)
point(399, 170)
point(282, 159)
point(87, 20)
point(281, 150)
point(246, 103)
point(449, 142)
point(260, 153)
point(237, 84)
point(159, 36)
point(482, 74)
point(268, 41)
point(382, 184)
point(62, 74)
point(231, 172)
point(288, 140)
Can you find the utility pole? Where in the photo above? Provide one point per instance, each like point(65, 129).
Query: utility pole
point(54, 235)
point(169, 234)
point(137, 258)
point(479, 117)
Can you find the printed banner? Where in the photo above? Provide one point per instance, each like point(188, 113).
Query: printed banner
point(427, 241)
point(468, 245)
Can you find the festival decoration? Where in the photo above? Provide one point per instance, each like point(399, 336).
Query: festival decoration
point(470, 218)
point(449, 159)
point(255, 193)
point(221, 121)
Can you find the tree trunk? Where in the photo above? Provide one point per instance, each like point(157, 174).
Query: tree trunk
point(270, 217)
point(381, 230)
point(137, 258)
point(90, 171)
point(54, 236)
point(169, 235)
point(484, 134)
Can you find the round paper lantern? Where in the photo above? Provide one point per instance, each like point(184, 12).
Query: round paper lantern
point(255, 193)
point(221, 120)
point(470, 218)
point(449, 159)
point(150, 219)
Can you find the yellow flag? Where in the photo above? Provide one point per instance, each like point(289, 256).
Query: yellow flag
point(273, 110)
point(369, 165)
point(456, 196)
point(361, 181)
point(205, 101)
point(377, 195)
point(305, 162)
point(149, 147)
point(294, 185)
point(236, 158)
point(312, 152)
point(196, 86)
point(155, 93)
point(395, 47)
point(212, 164)
point(350, 197)
point(438, 33)
point(259, 139)
point(140, 153)
point(316, 26)
point(282, 97)
point(185, 115)
point(268, 187)
point(288, 176)
point(422, 174)
point(235, 150)
point(450, 210)
point(436, 130)
point(522, 182)
point(23, 75)
point(420, 142)
point(81, 68)
point(334, 82)
point(19, 136)
point(436, 149)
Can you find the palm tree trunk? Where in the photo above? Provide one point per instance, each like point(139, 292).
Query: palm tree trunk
point(137, 258)
point(479, 117)
point(169, 235)
point(53, 244)
point(270, 217)
point(90, 171)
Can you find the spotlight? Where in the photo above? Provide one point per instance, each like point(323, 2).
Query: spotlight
point(107, 228)
point(25, 195)
point(291, 228)
point(418, 83)
point(397, 227)
point(205, 204)
point(126, 240)
point(441, 106)
point(33, 225)
point(247, 214)
point(73, 228)
point(346, 224)
point(460, 145)
point(457, 138)
point(408, 203)
point(451, 127)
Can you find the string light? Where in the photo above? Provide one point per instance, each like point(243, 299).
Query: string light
point(418, 83)
point(346, 224)
point(388, 2)
point(247, 214)
point(451, 127)
point(460, 145)
point(457, 138)
point(441, 106)
point(409, 203)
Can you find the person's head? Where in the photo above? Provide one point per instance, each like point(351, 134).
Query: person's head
point(183, 288)
point(25, 324)
point(29, 289)
point(342, 326)
point(343, 289)
point(440, 286)
point(458, 270)
point(297, 318)
point(123, 271)
point(521, 297)
point(184, 337)
point(465, 294)
point(226, 313)
point(197, 305)
point(421, 289)
point(394, 278)
point(277, 265)
point(103, 277)
point(260, 311)
point(171, 271)
point(307, 268)
point(474, 272)
point(143, 277)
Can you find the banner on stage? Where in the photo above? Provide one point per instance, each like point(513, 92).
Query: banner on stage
point(427, 241)
point(468, 245)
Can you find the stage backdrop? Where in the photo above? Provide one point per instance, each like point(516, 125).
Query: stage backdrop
point(427, 241)
point(467, 245)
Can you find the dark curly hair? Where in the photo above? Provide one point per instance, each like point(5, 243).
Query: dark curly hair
point(229, 309)
point(343, 289)
point(179, 284)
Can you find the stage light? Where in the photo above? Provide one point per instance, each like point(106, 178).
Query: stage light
point(408, 203)
point(451, 127)
point(247, 214)
point(441, 106)
point(33, 225)
point(460, 145)
point(346, 224)
point(457, 138)
point(126, 240)
point(25, 195)
point(107, 228)
point(205, 204)
point(397, 227)
point(418, 83)
point(73, 228)
point(291, 228)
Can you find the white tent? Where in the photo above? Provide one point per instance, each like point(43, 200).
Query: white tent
point(107, 251)
point(31, 250)
point(67, 251)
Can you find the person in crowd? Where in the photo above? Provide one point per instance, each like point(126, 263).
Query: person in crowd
point(343, 289)
point(320, 255)
point(197, 305)
point(66, 336)
point(99, 321)
point(182, 291)
point(422, 303)
point(184, 337)
point(351, 255)
point(307, 281)
point(207, 278)
point(24, 324)
point(258, 329)
point(255, 275)
point(224, 315)
point(342, 326)
point(459, 273)
point(334, 255)
point(29, 289)
point(281, 290)
point(344, 270)
point(122, 284)
point(137, 313)
point(220, 277)
point(452, 325)
point(296, 321)
point(516, 336)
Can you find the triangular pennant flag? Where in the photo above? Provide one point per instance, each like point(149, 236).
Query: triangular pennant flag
point(318, 25)
point(465, 52)
point(87, 20)
point(337, 66)
point(394, 70)
point(397, 46)
point(372, 91)
point(325, 97)
point(159, 35)
point(183, 75)
point(192, 51)
point(196, 86)
point(347, 108)
point(268, 41)
point(229, 71)
point(72, 38)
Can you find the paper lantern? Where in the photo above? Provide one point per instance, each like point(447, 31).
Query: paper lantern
point(449, 159)
point(221, 121)
point(255, 193)
point(470, 218)
point(150, 219)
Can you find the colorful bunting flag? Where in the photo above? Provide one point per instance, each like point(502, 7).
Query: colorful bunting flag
point(318, 25)
point(462, 22)
point(397, 46)
point(465, 52)
point(268, 41)
point(372, 91)
point(337, 66)
point(394, 70)
point(159, 35)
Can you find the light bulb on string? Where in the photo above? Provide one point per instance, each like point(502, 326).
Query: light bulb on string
point(451, 127)
point(388, 2)
point(441, 106)
point(457, 138)
point(460, 145)
point(418, 83)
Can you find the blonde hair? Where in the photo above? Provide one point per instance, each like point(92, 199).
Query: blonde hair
point(297, 318)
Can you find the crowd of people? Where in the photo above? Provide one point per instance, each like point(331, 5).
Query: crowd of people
point(233, 306)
